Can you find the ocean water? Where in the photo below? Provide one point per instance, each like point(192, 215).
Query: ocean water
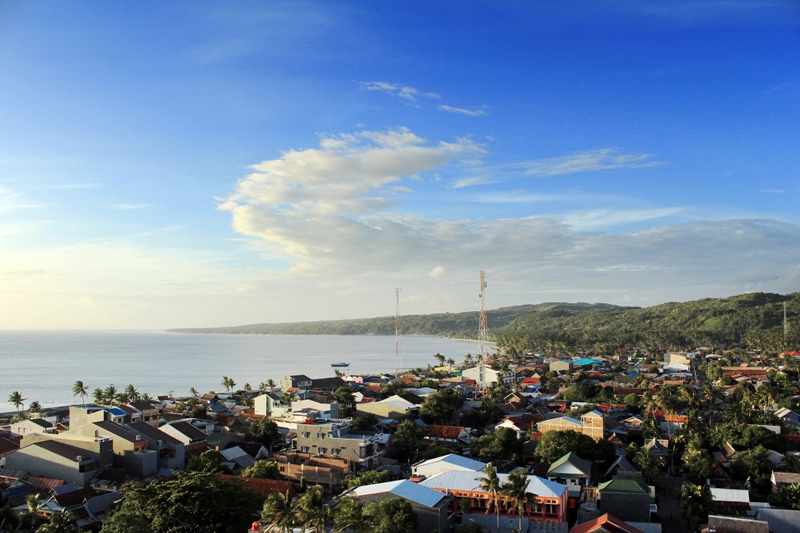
point(44, 365)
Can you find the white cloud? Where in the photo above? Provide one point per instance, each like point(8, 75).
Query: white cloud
point(394, 89)
point(437, 272)
point(462, 111)
point(602, 218)
point(12, 201)
point(589, 161)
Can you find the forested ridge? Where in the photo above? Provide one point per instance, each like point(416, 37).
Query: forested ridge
point(752, 320)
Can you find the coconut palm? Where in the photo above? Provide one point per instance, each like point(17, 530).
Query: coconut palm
point(16, 399)
point(34, 407)
point(312, 511)
point(271, 383)
point(490, 484)
point(98, 395)
point(79, 389)
point(132, 393)
point(515, 490)
point(194, 392)
point(62, 522)
point(248, 387)
point(278, 512)
point(110, 394)
point(146, 397)
point(31, 514)
point(439, 357)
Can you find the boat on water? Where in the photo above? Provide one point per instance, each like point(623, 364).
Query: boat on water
point(340, 365)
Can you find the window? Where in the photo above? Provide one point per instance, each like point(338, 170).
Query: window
point(323, 451)
point(335, 451)
point(304, 449)
point(306, 434)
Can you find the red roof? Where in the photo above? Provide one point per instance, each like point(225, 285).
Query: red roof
point(443, 432)
point(470, 382)
point(605, 523)
point(44, 483)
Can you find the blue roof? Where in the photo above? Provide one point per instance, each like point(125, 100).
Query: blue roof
point(586, 361)
point(116, 411)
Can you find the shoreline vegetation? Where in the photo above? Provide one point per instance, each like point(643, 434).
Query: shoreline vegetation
point(753, 320)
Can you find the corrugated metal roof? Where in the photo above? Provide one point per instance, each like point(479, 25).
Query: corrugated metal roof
point(405, 489)
point(456, 460)
point(730, 495)
point(461, 480)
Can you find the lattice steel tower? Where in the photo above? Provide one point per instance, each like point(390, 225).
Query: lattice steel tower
point(397, 355)
point(483, 338)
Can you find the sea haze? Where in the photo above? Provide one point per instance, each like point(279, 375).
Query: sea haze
point(44, 365)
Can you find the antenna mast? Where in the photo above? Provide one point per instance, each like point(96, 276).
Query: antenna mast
point(397, 333)
point(483, 338)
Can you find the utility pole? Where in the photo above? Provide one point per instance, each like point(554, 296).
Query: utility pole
point(397, 333)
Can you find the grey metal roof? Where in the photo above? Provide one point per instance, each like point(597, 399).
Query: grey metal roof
point(405, 489)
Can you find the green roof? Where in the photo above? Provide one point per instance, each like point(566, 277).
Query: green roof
point(629, 486)
point(581, 464)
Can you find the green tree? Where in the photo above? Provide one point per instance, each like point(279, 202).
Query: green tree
point(490, 484)
point(62, 522)
point(31, 515)
point(189, 503)
point(126, 522)
point(370, 477)
point(263, 470)
point(392, 389)
point(556, 444)
point(34, 407)
point(16, 399)
point(312, 511)
point(348, 516)
point(394, 515)
point(210, 461)
point(98, 396)
point(697, 502)
point(347, 402)
point(279, 512)
point(193, 392)
point(441, 405)
point(79, 389)
point(699, 465)
point(132, 393)
point(406, 440)
point(110, 394)
point(364, 423)
point(648, 463)
point(265, 431)
point(502, 444)
point(515, 490)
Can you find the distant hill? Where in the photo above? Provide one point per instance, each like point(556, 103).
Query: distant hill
point(753, 320)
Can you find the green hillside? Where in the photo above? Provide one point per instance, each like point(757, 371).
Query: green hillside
point(752, 320)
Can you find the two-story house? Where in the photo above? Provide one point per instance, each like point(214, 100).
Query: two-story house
point(336, 439)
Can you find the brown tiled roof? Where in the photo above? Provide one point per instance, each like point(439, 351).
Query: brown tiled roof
point(443, 432)
point(261, 486)
point(601, 524)
point(44, 483)
point(195, 449)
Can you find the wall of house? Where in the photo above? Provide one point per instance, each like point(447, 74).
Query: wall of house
point(42, 463)
point(627, 507)
point(316, 439)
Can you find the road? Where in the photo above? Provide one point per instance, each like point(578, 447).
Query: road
point(668, 490)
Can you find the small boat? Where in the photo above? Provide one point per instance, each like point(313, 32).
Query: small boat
point(340, 365)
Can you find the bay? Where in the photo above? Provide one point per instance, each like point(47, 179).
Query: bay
point(44, 365)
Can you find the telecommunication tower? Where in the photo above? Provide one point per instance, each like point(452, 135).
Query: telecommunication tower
point(483, 338)
point(397, 333)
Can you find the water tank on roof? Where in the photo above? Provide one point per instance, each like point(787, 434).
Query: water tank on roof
point(309, 421)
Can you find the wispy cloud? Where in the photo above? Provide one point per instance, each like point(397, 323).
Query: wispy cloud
point(605, 218)
point(130, 206)
point(394, 89)
point(589, 161)
point(474, 181)
point(462, 111)
point(12, 201)
point(73, 186)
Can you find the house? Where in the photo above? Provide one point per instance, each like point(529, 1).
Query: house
point(483, 375)
point(571, 470)
point(72, 459)
point(591, 424)
point(336, 439)
point(391, 407)
point(561, 366)
point(731, 524)
point(605, 524)
point(787, 416)
point(184, 432)
point(171, 451)
point(325, 410)
point(264, 487)
point(144, 412)
point(547, 499)
point(300, 381)
point(316, 470)
point(730, 501)
point(621, 468)
point(80, 415)
point(446, 463)
point(448, 434)
point(432, 507)
point(32, 425)
point(782, 479)
point(270, 404)
point(626, 499)
point(658, 448)
point(130, 449)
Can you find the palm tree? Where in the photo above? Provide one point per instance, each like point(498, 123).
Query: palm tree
point(648, 463)
point(110, 394)
point(279, 512)
point(248, 388)
point(450, 363)
point(468, 360)
point(31, 514)
point(312, 511)
point(79, 389)
point(16, 399)
point(271, 383)
point(439, 357)
point(132, 393)
point(34, 407)
point(194, 392)
point(98, 395)
point(146, 397)
point(490, 484)
point(62, 522)
point(515, 489)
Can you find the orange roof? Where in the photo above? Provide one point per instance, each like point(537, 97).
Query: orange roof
point(605, 523)
point(443, 432)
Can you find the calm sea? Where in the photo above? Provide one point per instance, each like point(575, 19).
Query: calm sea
point(44, 365)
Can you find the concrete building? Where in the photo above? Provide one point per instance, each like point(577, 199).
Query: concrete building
point(131, 451)
point(334, 438)
point(32, 425)
point(184, 432)
point(626, 499)
point(144, 412)
point(591, 424)
point(270, 404)
point(300, 381)
point(430, 506)
point(80, 415)
point(171, 451)
point(72, 459)
point(483, 375)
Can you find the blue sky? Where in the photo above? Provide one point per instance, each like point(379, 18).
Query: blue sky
point(194, 164)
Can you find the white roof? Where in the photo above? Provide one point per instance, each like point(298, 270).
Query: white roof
point(232, 453)
point(730, 495)
point(405, 489)
point(456, 460)
point(461, 480)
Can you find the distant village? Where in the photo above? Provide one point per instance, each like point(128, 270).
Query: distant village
point(639, 441)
